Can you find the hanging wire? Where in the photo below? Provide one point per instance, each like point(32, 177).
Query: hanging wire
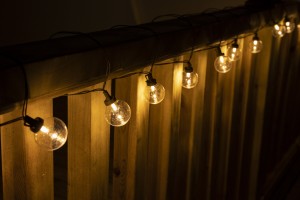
point(26, 93)
point(99, 44)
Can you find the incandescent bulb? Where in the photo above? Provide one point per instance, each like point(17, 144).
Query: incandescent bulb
point(154, 93)
point(289, 25)
point(189, 77)
point(117, 112)
point(222, 63)
point(278, 30)
point(234, 52)
point(50, 133)
point(255, 45)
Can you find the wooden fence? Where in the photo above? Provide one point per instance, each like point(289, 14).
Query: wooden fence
point(224, 139)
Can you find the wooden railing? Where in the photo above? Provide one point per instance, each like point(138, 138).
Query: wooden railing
point(224, 139)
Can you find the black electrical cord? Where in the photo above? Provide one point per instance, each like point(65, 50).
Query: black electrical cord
point(99, 44)
point(26, 92)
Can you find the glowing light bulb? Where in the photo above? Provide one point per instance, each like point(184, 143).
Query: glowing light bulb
point(189, 77)
point(289, 26)
point(154, 93)
point(234, 52)
point(117, 112)
point(222, 63)
point(278, 30)
point(50, 133)
point(255, 45)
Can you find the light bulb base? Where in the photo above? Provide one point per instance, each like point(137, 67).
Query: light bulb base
point(108, 98)
point(189, 68)
point(35, 125)
point(235, 44)
point(219, 52)
point(150, 80)
point(255, 37)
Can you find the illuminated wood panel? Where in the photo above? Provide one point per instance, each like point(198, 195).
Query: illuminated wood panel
point(27, 169)
point(233, 136)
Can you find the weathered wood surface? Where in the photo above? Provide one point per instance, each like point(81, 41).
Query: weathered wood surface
point(58, 65)
point(27, 169)
point(231, 137)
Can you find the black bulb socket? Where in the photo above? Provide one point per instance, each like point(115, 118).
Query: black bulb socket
point(150, 80)
point(189, 68)
point(255, 37)
point(235, 44)
point(35, 125)
point(108, 98)
point(219, 52)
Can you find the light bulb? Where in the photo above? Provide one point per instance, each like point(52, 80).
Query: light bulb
point(222, 63)
point(189, 78)
point(255, 45)
point(154, 93)
point(234, 52)
point(289, 25)
point(278, 30)
point(117, 112)
point(49, 133)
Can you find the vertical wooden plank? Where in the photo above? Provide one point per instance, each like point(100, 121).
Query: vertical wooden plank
point(177, 159)
point(142, 117)
point(240, 99)
point(223, 116)
point(27, 169)
point(198, 159)
point(60, 157)
point(88, 147)
point(125, 140)
point(160, 122)
point(255, 117)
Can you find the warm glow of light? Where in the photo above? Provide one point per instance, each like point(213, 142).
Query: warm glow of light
point(152, 88)
point(44, 129)
point(114, 107)
point(221, 59)
point(287, 23)
point(54, 136)
point(276, 27)
point(234, 50)
point(188, 75)
point(255, 42)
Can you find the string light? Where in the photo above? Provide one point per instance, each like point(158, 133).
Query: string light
point(256, 44)
point(50, 133)
point(278, 30)
point(189, 77)
point(117, 112)
point(222, 63)
point(154, 93)
point(233, 52)
point(289, 25)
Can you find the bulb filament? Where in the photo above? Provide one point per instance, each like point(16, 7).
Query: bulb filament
point(45, 129)
point(114, 107)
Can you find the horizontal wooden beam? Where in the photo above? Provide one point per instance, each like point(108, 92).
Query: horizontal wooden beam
point(58, 66)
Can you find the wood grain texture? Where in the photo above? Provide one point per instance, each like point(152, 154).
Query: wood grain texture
point(160, 123)
point(62, 61)
point(27, 169)
point(125, 140)
point(227, 138)
point(88, 147)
